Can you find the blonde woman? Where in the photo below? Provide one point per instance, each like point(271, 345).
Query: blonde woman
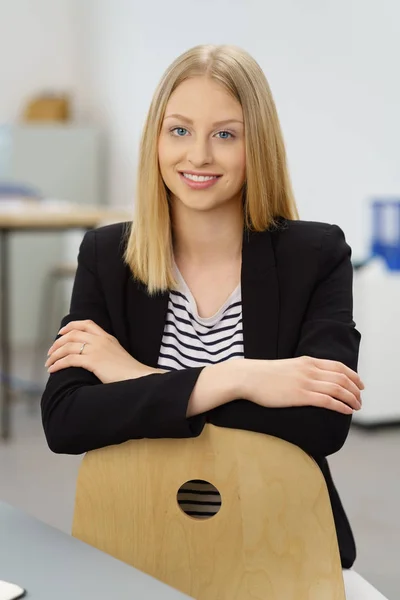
point(216, 304)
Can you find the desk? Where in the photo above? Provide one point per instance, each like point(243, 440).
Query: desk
point(33, 215)
point(51, 565)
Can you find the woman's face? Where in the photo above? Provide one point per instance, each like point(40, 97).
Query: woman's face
point(201, 147)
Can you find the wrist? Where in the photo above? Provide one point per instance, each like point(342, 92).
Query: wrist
point(246, 376)
point(215, 386)
point(242, 376)
point(141, 370)
point(151, 371)
point(232, 376)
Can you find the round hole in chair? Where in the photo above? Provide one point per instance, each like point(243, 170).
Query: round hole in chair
point(199, 499)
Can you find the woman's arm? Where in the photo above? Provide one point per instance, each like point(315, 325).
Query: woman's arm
point(328, 332)
point(80, 413)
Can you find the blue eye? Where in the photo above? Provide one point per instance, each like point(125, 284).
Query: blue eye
point(179, 131)
point(224, 135)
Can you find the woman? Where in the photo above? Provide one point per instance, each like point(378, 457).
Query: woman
point(217, 304)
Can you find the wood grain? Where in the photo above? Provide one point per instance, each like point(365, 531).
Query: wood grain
point(274, 537)
point(36, 214)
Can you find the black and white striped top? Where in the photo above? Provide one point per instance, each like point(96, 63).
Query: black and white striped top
point(192, 341)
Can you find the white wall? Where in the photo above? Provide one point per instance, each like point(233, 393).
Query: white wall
point(38, 51)
point(332, 67)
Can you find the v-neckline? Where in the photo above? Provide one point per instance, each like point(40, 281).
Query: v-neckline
point(185, 290)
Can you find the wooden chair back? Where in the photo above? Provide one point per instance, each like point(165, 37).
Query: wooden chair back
point(273, 538)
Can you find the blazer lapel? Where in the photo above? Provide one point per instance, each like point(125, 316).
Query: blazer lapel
point(145, 322)
point(260, 296)
point(146, 314)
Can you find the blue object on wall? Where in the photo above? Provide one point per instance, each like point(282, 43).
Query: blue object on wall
point(386, 231)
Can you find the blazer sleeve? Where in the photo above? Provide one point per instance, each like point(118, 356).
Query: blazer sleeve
point(80, 413)
point(327, 331)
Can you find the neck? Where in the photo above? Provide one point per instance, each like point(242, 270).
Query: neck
point(208, 237)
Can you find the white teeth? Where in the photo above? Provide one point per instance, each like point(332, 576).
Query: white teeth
point(199, 177)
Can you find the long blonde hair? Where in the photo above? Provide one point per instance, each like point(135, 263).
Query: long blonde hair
point(268, 192)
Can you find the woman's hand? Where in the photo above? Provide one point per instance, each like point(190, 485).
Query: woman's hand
point(302, 381)
point(84, 344)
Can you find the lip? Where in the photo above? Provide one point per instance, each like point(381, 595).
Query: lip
point(199, 185)
point(200, 173)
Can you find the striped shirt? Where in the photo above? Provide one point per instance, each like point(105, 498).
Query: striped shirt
point(192, 341)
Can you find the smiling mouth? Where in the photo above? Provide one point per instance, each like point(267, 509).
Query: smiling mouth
point(199, 178)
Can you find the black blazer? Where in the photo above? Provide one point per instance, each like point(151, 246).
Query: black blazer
point(296, 299)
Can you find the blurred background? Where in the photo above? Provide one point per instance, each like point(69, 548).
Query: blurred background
point(76, 79)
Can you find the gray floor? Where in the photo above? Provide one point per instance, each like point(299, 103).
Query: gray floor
point(366, 471)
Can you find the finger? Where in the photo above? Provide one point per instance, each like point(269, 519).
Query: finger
point(338, 367)
point(337, 392)
point(326, 401)
point(72, 336)
point(339, 379)
point(72, 360)
point(64, 350)
point(86, 325)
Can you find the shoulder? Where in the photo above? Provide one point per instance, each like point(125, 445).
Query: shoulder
point(309, 238)
point(107, 242)
point(306, 232)
point(310, 248)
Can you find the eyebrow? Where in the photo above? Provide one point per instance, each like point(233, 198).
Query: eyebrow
point(217, 124)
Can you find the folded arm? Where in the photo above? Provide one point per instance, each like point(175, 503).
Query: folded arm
point(80, 413)
point(328, 332)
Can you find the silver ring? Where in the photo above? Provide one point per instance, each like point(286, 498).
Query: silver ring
point(83, 346)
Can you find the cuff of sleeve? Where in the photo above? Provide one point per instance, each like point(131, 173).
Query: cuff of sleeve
point(176, 388)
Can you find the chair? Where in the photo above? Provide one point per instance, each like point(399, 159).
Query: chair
point(273, 538)
point(50, 316)
point(16, 191)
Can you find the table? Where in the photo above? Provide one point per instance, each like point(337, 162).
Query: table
point(36, 216)
point(52, 565)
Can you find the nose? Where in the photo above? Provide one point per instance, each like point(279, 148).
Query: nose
point(199, 153)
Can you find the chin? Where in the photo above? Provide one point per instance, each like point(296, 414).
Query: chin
point(202, 203)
